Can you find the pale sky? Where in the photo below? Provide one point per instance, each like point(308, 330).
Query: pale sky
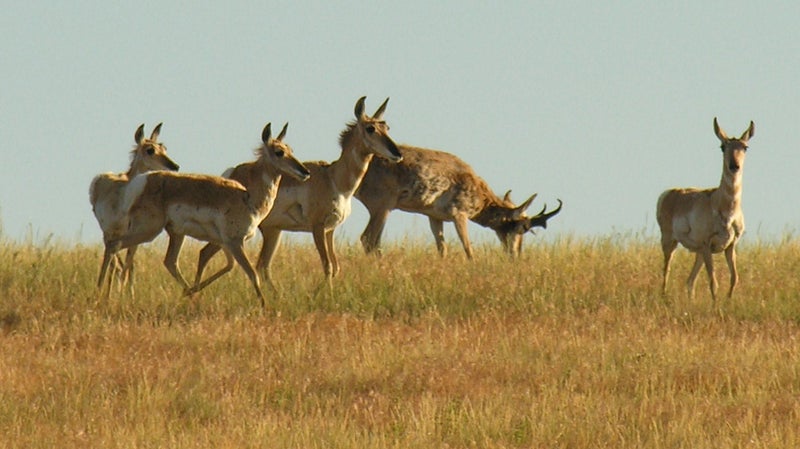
point(601, 104)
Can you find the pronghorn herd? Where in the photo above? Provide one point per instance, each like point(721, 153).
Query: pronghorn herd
point(134, 207)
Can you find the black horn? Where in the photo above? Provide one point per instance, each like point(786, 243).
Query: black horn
point(156, 132)
point(266, 133)
point(541, 218)
point(381, 109)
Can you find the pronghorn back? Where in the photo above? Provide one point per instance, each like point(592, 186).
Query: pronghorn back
point(170, 188)
point(427, 180)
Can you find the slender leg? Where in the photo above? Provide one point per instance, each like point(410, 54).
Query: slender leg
point(730, 256)
point(128, 269)
point(237, 251)
point(322, 248)
point(117, 269)
point(171, 259)
point(437, 228)
point(461, 230)
point(272, 239)
point(371, 237)
point(698, 262)
point(206, 254)
point(514, 248)
point(332, 253)
point(712, 280)
point(668, 246)
point(110, 252)
point(321, 241)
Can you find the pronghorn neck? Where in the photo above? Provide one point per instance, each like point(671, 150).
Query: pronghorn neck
point(488, 206)
point(137, 167)
point(728, 197)
point(263, 188)
point(352, 165)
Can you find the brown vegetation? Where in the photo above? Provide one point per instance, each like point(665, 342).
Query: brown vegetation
point(574, 348)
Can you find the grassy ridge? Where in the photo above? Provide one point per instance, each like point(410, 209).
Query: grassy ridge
point(570, 346)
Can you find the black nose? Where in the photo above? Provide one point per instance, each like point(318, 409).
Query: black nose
point(733, 166)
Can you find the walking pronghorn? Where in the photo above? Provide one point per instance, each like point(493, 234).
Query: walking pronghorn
point(323, 202)
point(707, 221)
point(249, 174)
point(209, 208)
point(445, 188)
point(105, 195)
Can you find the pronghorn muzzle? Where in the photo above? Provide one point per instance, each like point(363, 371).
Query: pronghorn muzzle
point(169, 163)
point(397, 156)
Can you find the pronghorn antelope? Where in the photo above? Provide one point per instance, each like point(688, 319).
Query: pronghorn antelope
point(707, 221)
point(105, 194)
point(323, 202)
point(249, 174)
point(445, 188)
point(209, 208)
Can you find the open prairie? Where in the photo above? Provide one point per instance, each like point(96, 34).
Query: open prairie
point(570, 346)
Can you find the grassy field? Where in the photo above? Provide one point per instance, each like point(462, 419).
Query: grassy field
point(570, 346)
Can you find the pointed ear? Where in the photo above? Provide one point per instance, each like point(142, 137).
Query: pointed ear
point(266, 133)
point(719, 132)
point(139, 135)
point(156, 132)
point(507, 196)
point(519, 210)
point(749, 133)
point(283, 132)
point(379, 113)
point(359, 110)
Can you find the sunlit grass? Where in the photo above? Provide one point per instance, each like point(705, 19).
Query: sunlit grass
point(571, 345)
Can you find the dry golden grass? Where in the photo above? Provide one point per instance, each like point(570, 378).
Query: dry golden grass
point(571, 346)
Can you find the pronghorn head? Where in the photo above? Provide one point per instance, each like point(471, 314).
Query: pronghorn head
point(515, 224)
point(373, 132)
point(733, 150)
point(280, 155)
point(150, 154)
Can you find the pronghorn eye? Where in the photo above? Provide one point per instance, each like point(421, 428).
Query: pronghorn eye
point(370, 129)
point(279, 153)
point(150, 151)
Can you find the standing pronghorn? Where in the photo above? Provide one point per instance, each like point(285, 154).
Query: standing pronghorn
point(209, 208)
point(707, 221)
point(445, 188)
point(323, 202)
point(105, 194)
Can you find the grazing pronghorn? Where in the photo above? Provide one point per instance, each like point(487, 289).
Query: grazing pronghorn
point(209, 208)
point(105, 194)
point(707, 221)
point(445, 188)
point(323, 202)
